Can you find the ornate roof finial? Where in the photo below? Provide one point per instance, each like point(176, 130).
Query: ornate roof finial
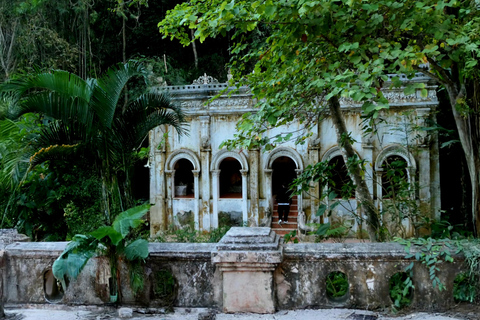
point(205, 80)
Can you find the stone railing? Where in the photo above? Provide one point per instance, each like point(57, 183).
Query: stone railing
point(249, 270)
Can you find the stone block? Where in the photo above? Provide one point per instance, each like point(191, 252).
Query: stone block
point(247, 257)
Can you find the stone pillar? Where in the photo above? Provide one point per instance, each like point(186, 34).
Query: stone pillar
point(157, 182)
point(423, 167)
point(313, 151)
point(268, 188)
point(367, 147)
point(205, 151)
point(247, 258)
point(300, 196)
point(244, 196)
point(196, 192)
point(254, 192)
point(7, 236)
point(2, 275)
point(170, 193)
point(216, 196)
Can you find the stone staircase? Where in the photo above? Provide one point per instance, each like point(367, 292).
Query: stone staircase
point(291, 225)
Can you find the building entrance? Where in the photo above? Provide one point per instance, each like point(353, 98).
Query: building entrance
point(283, 172)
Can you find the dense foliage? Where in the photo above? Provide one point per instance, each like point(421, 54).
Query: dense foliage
point(84, 124)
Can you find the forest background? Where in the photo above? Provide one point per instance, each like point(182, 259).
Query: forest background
point(86, 37)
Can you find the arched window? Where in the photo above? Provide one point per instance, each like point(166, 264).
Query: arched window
point(184, 182)
point(230, 178)
point(394, 177)
point(340, 181)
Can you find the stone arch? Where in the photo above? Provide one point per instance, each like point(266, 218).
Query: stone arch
point(330, 155)
point(284, 152)
point(335, 152)
point(222, 154)
point(182, 154)
point(395, 150)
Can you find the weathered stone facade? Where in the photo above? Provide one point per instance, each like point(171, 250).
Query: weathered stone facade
point(192, 178)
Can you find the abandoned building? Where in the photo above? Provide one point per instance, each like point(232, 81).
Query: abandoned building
point(193, 181)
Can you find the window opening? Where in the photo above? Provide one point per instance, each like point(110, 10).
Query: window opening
point(184, 183)
point(230, 178)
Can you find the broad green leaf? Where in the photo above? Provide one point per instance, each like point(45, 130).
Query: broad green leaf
point(108, 231)
point(332, 195)
point(131, 218)
point(138, 249)
point(321, 210)
point(322, 230)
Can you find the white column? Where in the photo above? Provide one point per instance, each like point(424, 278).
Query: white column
point(380, 191)
point(196, 193)
point(253, 189)
point(244, 196)
point(268, 189)
point(216, 195)
point(157, 184)
point(300, 196)
point(170, 194)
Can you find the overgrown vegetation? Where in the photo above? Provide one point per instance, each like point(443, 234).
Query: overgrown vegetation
point(401, 290)
point(189, 235)
point(430, 252)
point(113, 241)
point(336, 284)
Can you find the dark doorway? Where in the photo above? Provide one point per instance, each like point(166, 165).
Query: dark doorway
point(283, 172)
point(184, 183)
point(230, 178)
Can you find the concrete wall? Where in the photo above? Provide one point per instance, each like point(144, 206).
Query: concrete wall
point(298, 279)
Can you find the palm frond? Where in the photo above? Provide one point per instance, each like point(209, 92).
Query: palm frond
point(14, 154)
point(147, 112)
point(59, 106)
point(52, 153)
point(61, 133)
point(109, 89)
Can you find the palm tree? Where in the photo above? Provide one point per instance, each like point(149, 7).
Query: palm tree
point(87, 120)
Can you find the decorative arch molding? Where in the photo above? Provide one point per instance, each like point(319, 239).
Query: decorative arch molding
point(183, 154)
point(284, 152)
point(335, 152)
point(395, 150)
point(332, 153)
point(222, 154)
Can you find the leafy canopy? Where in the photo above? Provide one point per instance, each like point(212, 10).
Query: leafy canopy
point(295, 54)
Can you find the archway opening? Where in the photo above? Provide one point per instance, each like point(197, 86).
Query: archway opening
point(340, 181)
point(230, 178)
point(184, 183)
point(394, 178)
point(283, 172)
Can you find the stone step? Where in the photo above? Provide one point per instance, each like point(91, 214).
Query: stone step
point(292, 207)
point(283, 231)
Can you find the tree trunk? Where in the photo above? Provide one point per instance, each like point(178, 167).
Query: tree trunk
point(364, 197)
point(468, 138)
point(194, 48)
point(124, 51)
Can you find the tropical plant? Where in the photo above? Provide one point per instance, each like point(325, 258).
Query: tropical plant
point(112, 241)
point(88, 121)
